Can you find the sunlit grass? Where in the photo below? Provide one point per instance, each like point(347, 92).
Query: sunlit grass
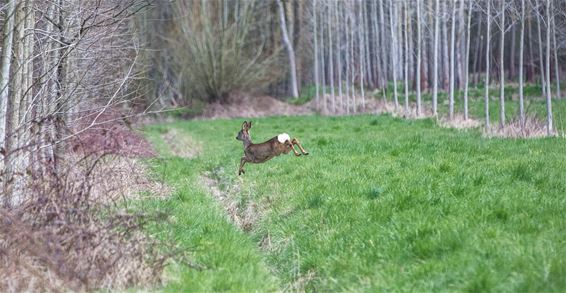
point(380, 204)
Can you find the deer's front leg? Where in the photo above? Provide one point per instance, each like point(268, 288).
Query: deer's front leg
point(289, 146)
point(243, 161)
point(296, 142)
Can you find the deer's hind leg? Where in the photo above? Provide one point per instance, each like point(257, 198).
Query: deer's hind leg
point(297, 143)
point(243, 161)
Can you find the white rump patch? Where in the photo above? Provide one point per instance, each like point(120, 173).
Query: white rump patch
point(283, 137)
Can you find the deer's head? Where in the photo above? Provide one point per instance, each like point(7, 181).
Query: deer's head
point(244, 135)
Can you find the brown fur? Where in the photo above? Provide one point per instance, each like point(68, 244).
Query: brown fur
point(262, 152)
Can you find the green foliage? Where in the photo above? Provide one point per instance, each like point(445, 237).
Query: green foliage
point(307, 94)
point(380, 204)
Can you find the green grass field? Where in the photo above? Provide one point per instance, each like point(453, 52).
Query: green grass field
point(380, 204)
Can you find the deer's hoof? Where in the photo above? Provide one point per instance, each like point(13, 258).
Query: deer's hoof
point(306, 153)
point(298, 155)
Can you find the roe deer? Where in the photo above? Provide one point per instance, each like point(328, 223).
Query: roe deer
point(261, 152)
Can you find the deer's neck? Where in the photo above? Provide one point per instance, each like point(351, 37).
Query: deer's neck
point(247, 143)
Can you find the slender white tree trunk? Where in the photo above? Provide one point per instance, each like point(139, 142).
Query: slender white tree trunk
point(445, 45)
point(467, 60)
point(502, 67)
point(367, 51)
point(316, 75)
point(8, 37)
point(393, 54)
point(361, 51)
point(382, 47)
point(452, 62)
point(323, 71)
point(331, 58)
point(487, 64)
point(406, 31)
point(348, 53)
point(549, 122)
point(353, 61)
point(339, 54)
point(6, 60)
point(290, 50)
point(521, 46)
point(435, 61)
point(419, 57)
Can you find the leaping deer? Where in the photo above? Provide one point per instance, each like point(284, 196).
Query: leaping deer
point(262, 152)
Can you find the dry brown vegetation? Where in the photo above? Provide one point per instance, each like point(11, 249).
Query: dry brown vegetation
point(532, 128)
point(74, 233)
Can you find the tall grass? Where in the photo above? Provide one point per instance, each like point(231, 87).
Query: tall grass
point(380, 204)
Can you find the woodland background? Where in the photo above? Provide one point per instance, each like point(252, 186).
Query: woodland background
point(76, 75)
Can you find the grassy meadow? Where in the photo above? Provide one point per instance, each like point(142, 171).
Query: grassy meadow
point(380, 204)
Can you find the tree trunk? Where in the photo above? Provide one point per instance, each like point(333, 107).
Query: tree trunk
point(419, 53)
point(352, 55)
point(435, 61)
point(452, 62)
point(367, 51)
point(8, 37)
point(487, 65)
point(460, 47)
point(348, 52)
point(361, 51)
point(290, 51)
point(5, 125)
point(339, 54)
point(406, 34)
point(331, 59)
point(393, 54)
point(382, 48)
point(445, 59)
point(521, 46)
point(502, 67)
point(549, 122)
point(315, 37)
point(467, 60)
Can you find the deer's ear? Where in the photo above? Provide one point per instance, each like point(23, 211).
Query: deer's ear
point(245, 125)
point(249, 125)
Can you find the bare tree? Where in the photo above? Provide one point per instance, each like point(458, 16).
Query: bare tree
point(452, 62)
point(521, 59)
point(406, 55)
point(549, 122)
point(315, 37)
point(290, 50)
point(467, 60)
point(331, 57)
point(8, 37)
point(361, 51)
point(419, 57)
point(435, 60)
point(393, 53)
point(487, 65)
point(502, 67)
